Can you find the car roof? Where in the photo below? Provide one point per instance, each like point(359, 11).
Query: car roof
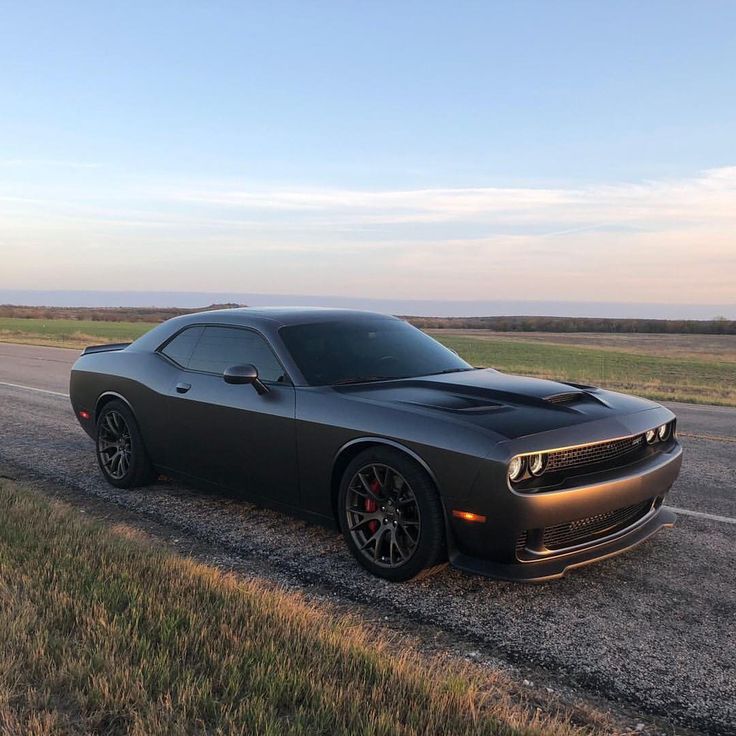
point(284, 316)
point(268, 320)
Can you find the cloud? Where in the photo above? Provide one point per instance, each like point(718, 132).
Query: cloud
point(711, 195)
point(661, 240)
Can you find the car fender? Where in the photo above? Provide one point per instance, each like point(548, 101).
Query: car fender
point(377, 440)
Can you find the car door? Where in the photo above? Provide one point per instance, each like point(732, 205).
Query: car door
point(231, 434)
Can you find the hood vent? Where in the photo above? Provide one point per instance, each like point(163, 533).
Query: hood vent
point(565, 398)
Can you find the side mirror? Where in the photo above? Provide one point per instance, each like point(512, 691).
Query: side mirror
point(242, 374)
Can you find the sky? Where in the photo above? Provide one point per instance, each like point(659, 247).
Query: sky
point(565, 151)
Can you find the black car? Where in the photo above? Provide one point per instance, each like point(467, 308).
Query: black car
point(362, 421)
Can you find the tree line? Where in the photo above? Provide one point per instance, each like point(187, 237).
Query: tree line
point(715, 326)
point(104, 314)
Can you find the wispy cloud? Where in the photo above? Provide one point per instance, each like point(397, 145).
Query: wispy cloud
point(711, 194)
point(660, 240)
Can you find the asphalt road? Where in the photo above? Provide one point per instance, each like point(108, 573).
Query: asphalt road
point(654, 628)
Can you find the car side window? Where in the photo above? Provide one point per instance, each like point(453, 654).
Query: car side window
point(222, 347)
point(181, 347)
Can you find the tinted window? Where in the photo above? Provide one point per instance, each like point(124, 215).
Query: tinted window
point(221, 347)
point(352, 351)
point(181, 347)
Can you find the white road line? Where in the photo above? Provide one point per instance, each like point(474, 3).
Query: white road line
point(33, 388)
point(684, 512)
point(702, 515)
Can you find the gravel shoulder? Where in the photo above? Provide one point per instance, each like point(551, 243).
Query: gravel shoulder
point(652, 629)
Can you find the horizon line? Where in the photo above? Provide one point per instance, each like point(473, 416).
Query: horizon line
point(90, 298)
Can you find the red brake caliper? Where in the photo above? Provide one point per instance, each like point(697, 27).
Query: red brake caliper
point(371, 506)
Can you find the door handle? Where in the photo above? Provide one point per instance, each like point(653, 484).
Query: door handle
point(182, 388)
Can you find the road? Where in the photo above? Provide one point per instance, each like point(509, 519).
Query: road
point(654, 629)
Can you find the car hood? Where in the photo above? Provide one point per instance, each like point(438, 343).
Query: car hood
point(511, 406)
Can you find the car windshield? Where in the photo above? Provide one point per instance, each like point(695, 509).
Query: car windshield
point(331, 353)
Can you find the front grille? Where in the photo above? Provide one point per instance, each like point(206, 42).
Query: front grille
point(599, 453)
point(593, 527)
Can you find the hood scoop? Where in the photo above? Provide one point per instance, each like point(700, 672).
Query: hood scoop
point(565, 398)
point(480, 392)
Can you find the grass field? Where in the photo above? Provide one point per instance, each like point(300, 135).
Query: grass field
point(105, 631)
point(68, 333)
point(693, 377)
point(692, 368)
point(718, 348)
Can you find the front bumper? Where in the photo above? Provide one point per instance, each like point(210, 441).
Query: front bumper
point(498, 547)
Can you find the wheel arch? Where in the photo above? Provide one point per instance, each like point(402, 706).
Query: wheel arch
point(352, 449)
point(106, 398)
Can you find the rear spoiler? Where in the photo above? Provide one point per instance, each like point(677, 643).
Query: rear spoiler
point(111, 346)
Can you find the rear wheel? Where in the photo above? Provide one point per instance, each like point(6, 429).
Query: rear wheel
point(120, 451)
point(391, 516)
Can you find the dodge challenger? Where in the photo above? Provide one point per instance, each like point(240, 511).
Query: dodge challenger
point(363, 422)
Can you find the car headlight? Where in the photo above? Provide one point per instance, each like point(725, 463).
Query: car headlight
point(516, 467)
point(651, 436)
point(537, 463)
point(663, 432)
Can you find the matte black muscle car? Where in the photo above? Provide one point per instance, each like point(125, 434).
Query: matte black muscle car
point(363, 421)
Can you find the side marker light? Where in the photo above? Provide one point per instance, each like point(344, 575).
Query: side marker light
point(468, 516)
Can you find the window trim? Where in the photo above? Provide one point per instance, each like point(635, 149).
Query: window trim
point(204, 325)
point(160, 349)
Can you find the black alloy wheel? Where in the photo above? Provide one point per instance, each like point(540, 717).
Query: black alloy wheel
point(120, 451)
point(391, 516)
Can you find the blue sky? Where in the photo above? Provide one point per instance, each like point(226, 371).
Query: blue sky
point(456, 149)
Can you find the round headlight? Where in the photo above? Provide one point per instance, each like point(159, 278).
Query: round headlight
point(651, 436)
point(516, 467)
point(537, 463)
point(663, 432)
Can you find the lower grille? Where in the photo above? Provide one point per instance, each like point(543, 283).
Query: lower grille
point(580, 531)
point(593, 527)
point(521, 542)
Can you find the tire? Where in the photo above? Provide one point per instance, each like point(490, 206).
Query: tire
point(394, 538)
point(121, 454)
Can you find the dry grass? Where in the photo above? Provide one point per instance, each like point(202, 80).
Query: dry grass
point(74, 341)
point(103, 632)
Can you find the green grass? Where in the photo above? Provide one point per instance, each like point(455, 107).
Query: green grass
point(70, 333)
point(104, 631)
point(662, 378)
point(693, 378)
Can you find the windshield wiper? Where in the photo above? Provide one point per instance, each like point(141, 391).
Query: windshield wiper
point(452, 370)
point(371, 379)
point(362, 379)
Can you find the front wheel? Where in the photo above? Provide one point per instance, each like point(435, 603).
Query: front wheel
point(391, 516)
point(120, 451)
